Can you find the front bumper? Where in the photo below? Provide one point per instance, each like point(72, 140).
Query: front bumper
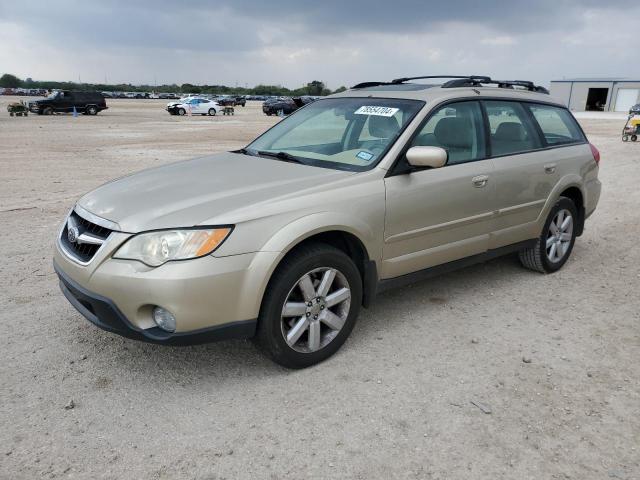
point(103, 313)
point(211, 297)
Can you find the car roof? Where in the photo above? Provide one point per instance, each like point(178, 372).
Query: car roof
point(430, 93)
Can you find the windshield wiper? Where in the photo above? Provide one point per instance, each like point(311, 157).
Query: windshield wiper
point(244, 151)
point(284, 156)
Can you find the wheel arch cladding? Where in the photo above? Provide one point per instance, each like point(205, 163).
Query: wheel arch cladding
point(575, 195)
point(345, 241)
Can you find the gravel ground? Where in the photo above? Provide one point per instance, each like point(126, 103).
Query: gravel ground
point(489, 372)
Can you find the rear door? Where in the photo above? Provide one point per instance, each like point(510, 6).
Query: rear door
point(201, 106)
point(435, 216)
point(526, 169)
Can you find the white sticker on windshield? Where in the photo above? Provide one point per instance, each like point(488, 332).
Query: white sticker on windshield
point(379, 111)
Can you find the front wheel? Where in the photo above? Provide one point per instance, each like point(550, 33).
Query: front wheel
point(47, 111)
point(310, 306)
point(182, 111)
point(553, 247)
point(91, 110)
point(212, 112)
point(625, 138)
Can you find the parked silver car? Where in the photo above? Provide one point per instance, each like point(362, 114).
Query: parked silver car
point(286, 239)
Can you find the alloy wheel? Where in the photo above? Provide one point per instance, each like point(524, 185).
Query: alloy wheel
point(559, 236)
point(315, 310)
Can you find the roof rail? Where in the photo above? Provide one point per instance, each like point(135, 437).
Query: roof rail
point(477, 82)
point(370, 84)
point(406, 79)
point(462, 81)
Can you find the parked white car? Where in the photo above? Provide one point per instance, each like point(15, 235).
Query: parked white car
point(194, 106)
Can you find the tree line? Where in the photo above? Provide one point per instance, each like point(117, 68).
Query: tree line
point(314, 88)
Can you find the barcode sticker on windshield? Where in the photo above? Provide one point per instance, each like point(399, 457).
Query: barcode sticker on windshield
point(379, 111)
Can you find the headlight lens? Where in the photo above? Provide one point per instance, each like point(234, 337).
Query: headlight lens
point(157, 248)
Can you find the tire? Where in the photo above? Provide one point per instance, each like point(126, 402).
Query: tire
point(634, 138)
point(47, 111)
point(182, 111)
point(309, 312)
point(11, 114)
point(625, 138)
point(212, 112)
point(549, 260)
point(91, 110)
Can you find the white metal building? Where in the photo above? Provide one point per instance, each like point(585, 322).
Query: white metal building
point(597, 94)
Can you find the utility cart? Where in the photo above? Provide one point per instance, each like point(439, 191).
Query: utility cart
point(18, 109)
point(631, 129)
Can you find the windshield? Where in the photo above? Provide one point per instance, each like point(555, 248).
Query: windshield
point(342, 133)
point(53, 95)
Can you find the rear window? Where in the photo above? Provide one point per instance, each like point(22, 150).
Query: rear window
point(557, 125)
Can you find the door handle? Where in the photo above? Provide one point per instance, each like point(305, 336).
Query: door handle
point(550, 168)
point(480, 181)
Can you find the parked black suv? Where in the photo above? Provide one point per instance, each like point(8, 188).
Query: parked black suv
point(285, 104)
point(231, 101)
point(89, 103)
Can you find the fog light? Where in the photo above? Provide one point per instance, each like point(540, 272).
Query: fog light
point(164, 319)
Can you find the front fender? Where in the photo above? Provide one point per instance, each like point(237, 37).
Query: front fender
point(292, 234)
point(305, 227)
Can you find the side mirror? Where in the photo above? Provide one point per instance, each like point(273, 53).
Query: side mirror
point(432, 157)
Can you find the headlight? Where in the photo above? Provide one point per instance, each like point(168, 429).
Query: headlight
point(156, 248)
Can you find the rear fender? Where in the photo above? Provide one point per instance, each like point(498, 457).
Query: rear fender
point(568, 181)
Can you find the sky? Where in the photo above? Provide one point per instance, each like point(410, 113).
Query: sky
point(340, 42)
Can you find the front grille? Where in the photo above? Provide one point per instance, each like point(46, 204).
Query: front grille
point(87, 238)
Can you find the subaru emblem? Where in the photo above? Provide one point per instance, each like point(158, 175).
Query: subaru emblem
point(72, 234)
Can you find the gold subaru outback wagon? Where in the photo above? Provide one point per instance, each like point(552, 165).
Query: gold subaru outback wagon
point(284, 240)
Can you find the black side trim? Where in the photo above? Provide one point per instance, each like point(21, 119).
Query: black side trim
point(582, 213)
point(391, 283)
point(105, 314)
point(370, 284)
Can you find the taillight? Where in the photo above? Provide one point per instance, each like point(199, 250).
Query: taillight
point(596, 153)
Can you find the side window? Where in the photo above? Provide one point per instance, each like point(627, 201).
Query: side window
point(510, 129)
point(458, 128)
point(557, 125)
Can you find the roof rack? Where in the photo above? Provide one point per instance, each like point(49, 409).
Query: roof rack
point(462, 81)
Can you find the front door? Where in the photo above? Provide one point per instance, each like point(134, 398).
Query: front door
point(435, 216)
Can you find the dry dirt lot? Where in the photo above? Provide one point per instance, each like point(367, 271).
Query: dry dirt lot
point(395, 402)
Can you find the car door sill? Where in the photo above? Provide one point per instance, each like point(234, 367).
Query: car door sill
point(390, 283)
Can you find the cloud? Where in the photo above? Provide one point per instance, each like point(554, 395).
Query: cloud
point(292, 42)
point(500, 40)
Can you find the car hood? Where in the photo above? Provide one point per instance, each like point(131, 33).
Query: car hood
point(202, 191)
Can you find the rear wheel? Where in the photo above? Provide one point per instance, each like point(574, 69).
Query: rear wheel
point(553, 247)
point(310, 306)
point(634, 138)
point(212, 111)
point(47, 111)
